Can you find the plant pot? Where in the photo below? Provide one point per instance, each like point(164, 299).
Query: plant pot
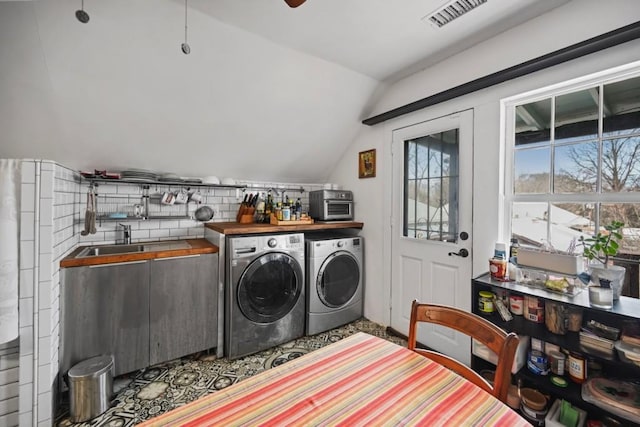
point(612, 276)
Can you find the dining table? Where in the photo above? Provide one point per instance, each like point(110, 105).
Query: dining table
point(361, 380)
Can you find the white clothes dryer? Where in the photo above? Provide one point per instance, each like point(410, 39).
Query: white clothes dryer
point(335, 284)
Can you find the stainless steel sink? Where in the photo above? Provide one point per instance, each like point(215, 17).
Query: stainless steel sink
point(102, 250)
point(110, 250)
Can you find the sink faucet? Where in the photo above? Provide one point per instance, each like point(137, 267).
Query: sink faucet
point(126, 234)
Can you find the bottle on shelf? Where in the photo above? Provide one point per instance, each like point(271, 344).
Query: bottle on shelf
point(513, 251)
point(298, 209)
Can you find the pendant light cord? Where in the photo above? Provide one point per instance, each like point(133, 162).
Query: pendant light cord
point(185, 21)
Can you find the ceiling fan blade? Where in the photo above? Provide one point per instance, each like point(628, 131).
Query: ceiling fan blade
point(294, 3)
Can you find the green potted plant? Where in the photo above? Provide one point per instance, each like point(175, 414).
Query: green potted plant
point(598, 250)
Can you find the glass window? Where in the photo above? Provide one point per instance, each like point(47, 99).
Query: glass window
point(431, 187)
point(575, 167)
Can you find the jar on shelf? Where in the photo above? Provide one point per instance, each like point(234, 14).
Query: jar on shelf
point(574, 316)
point(485, 302)
point(577, 367)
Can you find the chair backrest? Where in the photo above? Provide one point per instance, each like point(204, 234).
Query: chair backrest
point(500, 342)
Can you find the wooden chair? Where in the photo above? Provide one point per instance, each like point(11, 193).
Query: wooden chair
point(502, 343)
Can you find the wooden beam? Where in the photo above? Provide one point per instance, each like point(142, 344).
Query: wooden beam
point(604, 41)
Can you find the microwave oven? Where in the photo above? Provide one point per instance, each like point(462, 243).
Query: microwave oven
point(330, 205)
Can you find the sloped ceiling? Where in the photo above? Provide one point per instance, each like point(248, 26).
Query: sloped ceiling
point(276, 102)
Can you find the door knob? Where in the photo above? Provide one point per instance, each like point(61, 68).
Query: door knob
point(461, 253)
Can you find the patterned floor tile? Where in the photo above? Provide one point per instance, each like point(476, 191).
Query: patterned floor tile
point(148, 393)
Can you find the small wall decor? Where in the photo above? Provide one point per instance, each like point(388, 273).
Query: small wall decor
point(367, 164)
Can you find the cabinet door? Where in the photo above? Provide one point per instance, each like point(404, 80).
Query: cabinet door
point(183, 306)
point(105, 310)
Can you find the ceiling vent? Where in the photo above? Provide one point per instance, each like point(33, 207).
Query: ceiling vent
point(452, 10)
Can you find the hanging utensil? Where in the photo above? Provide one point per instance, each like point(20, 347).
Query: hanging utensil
point(81, 15)
point(185, 46)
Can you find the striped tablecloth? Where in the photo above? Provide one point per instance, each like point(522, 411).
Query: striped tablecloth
point(360, 380)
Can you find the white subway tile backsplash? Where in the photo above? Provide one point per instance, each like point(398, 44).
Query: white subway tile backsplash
point(10, 390)
point(26, 398)
point(44, 407)
point(9, 361)
point(140, 234)
point(25, 419)
point(26, 254)
point(159, 234)
point(27, 198)
point(26, 340)
point(46, 184)
point(25, 310)
point(47, 165)
point(44, 351)
point(179, 232)
point(26, 225)
point(11, 375)
point(8, 406)
point(44, 321)
point(46, 212)
point(26, 283)
point(44, 297)
point(46, 239)
point(28, 171)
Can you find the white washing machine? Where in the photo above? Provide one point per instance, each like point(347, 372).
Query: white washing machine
point(264, 295)
point(335, 284)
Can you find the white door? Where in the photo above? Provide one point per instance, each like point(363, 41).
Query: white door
point(431, 225)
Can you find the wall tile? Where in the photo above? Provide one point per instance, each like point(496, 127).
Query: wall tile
point(26, 398)
point(44, 321)
point(46, 184)
point(27, 198)
point(25, 419)
point(46, 212)
point(28, 172)
point(26, 254)
point(26, 340)
point(25, 310)
point(44, 407)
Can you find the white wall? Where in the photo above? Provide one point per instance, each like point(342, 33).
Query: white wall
point(564, 26)
point(118, 92)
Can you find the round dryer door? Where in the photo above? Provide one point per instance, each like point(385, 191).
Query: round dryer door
point(270, 287)
point(338, 279)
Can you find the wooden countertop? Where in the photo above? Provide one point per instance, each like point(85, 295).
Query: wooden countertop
point(198, 246)
point(230, 228)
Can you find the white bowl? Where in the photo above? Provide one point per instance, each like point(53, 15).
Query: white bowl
point(211, 180)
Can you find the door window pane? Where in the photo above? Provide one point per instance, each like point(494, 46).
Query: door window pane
point(431, 187)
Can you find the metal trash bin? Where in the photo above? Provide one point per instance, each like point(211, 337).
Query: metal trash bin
point(90, 388)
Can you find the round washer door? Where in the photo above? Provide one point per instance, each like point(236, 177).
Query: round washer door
point(269, 287)
point(338, 279)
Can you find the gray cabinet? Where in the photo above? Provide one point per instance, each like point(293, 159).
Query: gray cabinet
point(183, 309)
point(141, 312)
point(105, 310)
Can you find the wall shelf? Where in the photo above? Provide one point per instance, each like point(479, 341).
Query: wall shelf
point(97, 181)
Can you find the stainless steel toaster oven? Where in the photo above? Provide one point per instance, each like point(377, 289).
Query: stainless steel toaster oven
point(329, 205)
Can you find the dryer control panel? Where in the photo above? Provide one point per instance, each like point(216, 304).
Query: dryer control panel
point(240, 247)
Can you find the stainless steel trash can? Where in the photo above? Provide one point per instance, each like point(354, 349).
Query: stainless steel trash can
point(90, 388)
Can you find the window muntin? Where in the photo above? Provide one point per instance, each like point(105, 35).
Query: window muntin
point(589, 154)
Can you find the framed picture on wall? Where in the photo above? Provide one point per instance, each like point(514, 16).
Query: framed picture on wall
point(367, 164)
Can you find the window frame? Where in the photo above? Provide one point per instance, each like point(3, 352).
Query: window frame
point(507, 117)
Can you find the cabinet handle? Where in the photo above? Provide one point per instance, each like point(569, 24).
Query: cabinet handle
point(117, 263)
point(176, 257)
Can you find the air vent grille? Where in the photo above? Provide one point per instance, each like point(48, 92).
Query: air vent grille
point(451, 11)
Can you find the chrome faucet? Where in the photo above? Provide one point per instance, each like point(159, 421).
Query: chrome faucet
point(126, 234)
